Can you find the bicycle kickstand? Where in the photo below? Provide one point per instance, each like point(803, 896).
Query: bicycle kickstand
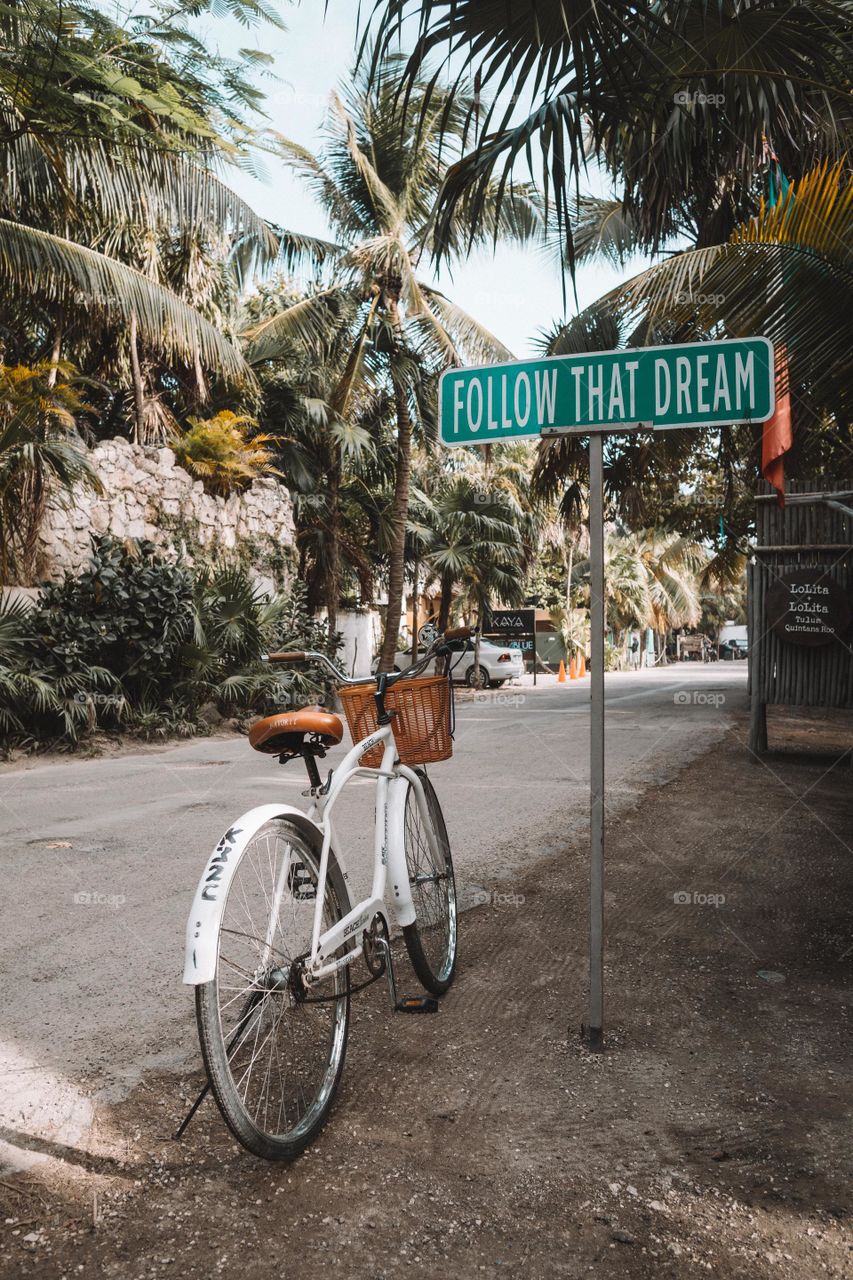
point(403, 1004)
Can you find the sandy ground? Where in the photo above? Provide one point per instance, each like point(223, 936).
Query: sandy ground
point(711, 1138)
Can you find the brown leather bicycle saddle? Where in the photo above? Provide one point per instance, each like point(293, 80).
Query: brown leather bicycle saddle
point(286, 730)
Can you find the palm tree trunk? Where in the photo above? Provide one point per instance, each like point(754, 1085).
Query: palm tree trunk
point(400, 511)
point(480, 612)
point(56, 352)
point(333, 551)
point(445, 602)
point(570, 617)
point(34, 505)
point(138, 385)
point(416, 573)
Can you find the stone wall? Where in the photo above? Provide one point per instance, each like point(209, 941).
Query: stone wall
point(145, 495)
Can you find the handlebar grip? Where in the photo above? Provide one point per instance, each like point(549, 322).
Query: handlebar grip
point(458, 633)
point(297, 655)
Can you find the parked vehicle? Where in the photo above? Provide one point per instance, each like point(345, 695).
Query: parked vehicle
point(734, 642)
point(498, 663)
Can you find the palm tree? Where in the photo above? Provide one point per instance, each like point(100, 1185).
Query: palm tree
point(787, 273)
point(675, 100)
point(474, 546)
point(378, 177)
point(110, 136)
point(330, 411)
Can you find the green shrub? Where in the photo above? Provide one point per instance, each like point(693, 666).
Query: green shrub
point(135, 644)
point(234, 624)
point(130, 612)
point(47, 699)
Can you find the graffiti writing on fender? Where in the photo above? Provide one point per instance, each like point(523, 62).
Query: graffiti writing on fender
point(217, 864)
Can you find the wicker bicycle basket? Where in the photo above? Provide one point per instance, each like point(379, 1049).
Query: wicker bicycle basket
point(421, 719)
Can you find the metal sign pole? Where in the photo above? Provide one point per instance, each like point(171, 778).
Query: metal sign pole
point(595, 1022)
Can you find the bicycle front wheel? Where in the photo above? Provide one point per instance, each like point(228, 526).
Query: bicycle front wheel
point(431, 940)
point(274, 1050)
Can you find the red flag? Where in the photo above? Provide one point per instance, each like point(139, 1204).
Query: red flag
point(778, 436)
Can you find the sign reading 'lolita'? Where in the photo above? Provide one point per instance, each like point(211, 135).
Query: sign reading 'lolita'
point(807, 607)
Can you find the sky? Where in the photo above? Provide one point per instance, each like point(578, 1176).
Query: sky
point(515, 292)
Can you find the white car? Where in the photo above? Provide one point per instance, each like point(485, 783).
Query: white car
point(497, 663)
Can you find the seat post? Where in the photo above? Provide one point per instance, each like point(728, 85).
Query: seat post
point(311, 765)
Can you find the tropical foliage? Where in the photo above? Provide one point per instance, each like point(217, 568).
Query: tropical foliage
point(141, 645)
point(721, 132)
point(119, 240)
point(721, 128)
point(223, 453)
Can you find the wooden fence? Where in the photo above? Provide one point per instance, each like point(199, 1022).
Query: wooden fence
point(807, 534)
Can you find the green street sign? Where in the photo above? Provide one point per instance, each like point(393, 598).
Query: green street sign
point(694, 384)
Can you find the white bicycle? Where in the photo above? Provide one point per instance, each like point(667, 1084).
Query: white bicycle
point(272, 938)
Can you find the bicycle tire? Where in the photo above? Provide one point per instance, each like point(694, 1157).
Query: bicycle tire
point(292, 1023)
point(432, 940)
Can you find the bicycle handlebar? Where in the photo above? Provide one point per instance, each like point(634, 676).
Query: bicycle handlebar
point(306, 655)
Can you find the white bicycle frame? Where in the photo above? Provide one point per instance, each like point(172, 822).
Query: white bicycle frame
point(389, 866)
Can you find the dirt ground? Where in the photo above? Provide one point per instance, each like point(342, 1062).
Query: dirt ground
point(711, 1138)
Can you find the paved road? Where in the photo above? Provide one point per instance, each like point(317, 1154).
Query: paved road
point(100, 859)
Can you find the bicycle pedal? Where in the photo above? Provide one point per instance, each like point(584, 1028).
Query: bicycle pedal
point(417, 1004)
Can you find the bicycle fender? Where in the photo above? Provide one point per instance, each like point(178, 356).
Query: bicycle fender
point(398, 891)
point(209, 901)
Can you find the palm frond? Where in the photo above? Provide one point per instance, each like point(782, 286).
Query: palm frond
point(467, 336)
point(59, 270)
point(786, 274)
point(385, 208)
point(676, 97)
point(304, 323)
point(343, 213)
point(604, 229)
point(297, 250)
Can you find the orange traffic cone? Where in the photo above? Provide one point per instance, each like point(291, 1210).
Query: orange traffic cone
point(582, 671)
point(561, 678)
point(573, 668)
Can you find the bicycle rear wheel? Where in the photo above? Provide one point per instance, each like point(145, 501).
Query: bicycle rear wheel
point(273, 1053)
point(431, 940)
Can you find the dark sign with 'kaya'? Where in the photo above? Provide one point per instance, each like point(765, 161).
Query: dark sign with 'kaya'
point(515, 627)
point(806, 606)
